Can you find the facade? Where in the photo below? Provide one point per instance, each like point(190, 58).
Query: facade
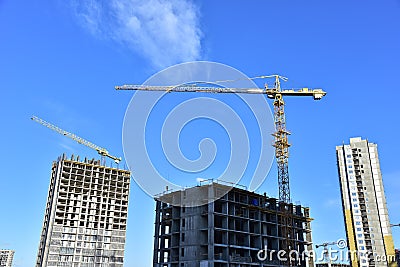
point(6, 257)
point(86, 215)
point(364, 204)
point(241, 228)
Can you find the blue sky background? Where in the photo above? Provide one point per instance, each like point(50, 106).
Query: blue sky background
point(60, 60)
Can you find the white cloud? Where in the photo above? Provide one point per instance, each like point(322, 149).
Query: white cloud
point(67, 147)
point(333, 202)
point(165, 32)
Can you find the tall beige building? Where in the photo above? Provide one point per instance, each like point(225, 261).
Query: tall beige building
point(364, 204)
point(6, 257)
point(86, 215)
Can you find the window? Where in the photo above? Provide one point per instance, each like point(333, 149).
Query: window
point(354, 199)
point(358, 229)
point(350, 167)
point(183, 237)
point(183, 252)
point(355, 205)
point(350, 171)
point(359, 235)
point(358, 223)
point(348, 156)
point(354, 194)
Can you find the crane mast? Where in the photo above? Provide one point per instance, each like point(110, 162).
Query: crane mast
point(102, 151)
point(281, 144)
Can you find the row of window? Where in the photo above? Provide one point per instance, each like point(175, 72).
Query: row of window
point(93, 238)
point(74, 230)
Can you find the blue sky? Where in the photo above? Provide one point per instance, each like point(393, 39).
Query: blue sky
point(60, 60)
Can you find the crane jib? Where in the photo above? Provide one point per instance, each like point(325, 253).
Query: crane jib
point(100, 150)
point(197, 89)
point(271, 92)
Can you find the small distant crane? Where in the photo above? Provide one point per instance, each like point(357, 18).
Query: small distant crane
point(327, 257)
point(102, 151)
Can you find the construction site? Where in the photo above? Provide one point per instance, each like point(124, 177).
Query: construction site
point(232, 228)
point(189, 133)
point(85, 220)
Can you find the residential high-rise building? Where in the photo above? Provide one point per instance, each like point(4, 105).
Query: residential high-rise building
point(86, 215)
point(364, 204)
point(6, 257)
point(241, 228)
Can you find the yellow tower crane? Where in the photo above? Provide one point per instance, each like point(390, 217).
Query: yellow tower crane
point(102, 151)
point(281, 143)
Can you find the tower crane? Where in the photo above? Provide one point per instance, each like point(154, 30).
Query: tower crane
point(281, 143)
point(102, 151)
point(326, 255)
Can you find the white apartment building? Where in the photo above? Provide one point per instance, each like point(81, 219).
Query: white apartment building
point(364, 204)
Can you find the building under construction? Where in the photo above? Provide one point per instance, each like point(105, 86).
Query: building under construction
point(86, 215)
point(226, 232)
